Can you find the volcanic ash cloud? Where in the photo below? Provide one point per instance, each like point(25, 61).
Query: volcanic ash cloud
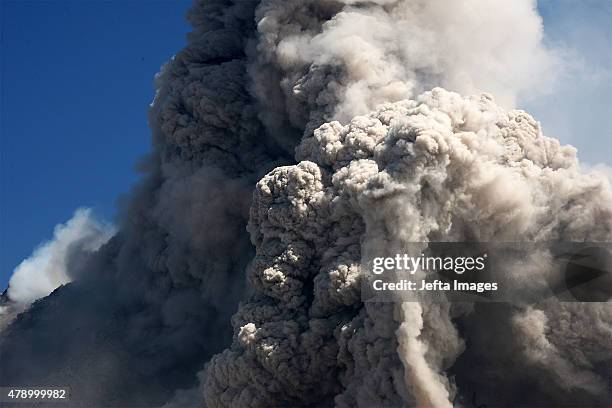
point(441, 167)
point(147, 310)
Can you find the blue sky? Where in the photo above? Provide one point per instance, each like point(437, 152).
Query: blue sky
point(76, 81)
point(77, 78)
point(578, 109)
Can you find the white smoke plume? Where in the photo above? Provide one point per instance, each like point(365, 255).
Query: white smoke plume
point(49, 265)
point(324, 60)
point(379, 164)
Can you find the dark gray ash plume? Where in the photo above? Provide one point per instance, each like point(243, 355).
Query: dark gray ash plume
point(308, 124)
point(152, 305)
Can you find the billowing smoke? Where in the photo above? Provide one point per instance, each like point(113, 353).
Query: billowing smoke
point(437, 168)
point(375, 169)
point(51, 263)
point(321, 60)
